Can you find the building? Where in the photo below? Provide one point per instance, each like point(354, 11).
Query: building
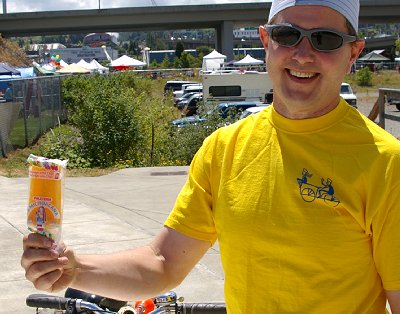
point(74, 55)
point(100, 39)
point(247, 32)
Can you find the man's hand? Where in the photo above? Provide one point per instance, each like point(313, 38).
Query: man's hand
point(394, 300)
point(44, 266)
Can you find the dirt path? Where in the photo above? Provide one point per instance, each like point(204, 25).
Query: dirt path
point(365, 103)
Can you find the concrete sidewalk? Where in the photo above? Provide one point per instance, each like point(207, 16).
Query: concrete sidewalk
point(101, 215)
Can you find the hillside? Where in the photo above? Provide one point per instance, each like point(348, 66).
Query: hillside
point(12, 54)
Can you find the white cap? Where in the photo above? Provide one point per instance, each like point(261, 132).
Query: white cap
point(348, 8)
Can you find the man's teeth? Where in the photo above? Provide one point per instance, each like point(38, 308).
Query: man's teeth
point(302, 74)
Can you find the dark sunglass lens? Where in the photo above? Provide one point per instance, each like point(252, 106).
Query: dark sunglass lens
point(285, 35)
point(326, 40)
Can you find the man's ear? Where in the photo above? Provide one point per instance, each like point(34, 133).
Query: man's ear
point(263, 36)
point(356, 48)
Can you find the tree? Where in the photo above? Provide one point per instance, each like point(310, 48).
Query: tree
point(179, 49)
point(165, 64)
point(12, 54)
point(185, 61)
point(204, 50)
point(397, 44)
point(160, 44)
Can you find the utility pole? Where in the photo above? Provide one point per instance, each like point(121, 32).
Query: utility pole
point(4, 6)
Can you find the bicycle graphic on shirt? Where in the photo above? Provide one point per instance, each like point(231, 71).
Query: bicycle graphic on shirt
point(309, 192)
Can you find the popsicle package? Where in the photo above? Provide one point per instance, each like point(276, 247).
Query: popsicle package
point(45, 202)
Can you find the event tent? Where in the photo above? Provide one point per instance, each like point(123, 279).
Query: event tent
point(98, 66)
point(86, 65)
point(213, 60)
point(73, 68)
point(5, 69)
point(373, 56)
point(42, 70)
point(248, 60)
point(125, 62)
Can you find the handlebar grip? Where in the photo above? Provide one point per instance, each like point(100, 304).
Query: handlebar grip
point(202, 308)
point(47, 301)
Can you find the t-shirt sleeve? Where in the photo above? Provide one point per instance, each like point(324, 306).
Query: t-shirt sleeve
point(386, 231)
point(192, 214)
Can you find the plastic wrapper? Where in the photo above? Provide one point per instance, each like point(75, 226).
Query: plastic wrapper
point(45, 201)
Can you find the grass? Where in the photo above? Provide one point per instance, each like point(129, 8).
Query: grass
point(35, 127)
point(381, 79)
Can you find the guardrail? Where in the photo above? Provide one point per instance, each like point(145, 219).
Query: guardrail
point(378, 110)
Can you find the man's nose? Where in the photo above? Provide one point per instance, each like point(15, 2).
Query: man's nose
point(304, 51)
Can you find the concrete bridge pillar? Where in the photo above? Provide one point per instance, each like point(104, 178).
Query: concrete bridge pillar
point(224, 39)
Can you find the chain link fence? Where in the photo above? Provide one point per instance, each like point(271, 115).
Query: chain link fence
point(34, 107)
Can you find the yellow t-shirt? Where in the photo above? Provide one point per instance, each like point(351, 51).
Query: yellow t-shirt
point(306, 212)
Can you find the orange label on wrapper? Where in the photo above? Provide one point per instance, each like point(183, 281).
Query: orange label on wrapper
point(45, 202)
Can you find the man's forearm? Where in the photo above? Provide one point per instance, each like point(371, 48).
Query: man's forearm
point(130, 275)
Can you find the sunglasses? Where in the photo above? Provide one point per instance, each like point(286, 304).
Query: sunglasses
point(324, 40)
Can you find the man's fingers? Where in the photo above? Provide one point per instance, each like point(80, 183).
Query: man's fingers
point(42, 268)
point(47, 281)
point(31, 256)
point(35, 240)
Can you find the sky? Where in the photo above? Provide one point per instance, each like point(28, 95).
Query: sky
point(14, 6)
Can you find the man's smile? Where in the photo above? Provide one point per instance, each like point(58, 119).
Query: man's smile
point(301, 75)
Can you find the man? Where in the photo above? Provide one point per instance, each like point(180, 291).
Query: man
point(283, 249)
point(8, 95)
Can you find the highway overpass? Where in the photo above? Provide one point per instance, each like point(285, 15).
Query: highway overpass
point(222, 17)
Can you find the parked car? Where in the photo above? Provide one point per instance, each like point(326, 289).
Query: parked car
point(190, 108)
point(188, 100)
point(347, 93)
point(175, 85)
point(253, 110)
point(187, 88)
point(183, 98)
point(222, 110)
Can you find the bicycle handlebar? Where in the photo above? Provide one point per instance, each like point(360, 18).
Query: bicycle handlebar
point(60, 303)
point(47, 301)
point(78, 305)
point(202, 308)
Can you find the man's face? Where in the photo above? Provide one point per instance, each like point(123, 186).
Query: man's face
point(306, 82)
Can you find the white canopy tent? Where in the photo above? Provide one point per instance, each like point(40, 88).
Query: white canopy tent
point(86, 65)
point(63, 64)
point(248, 60)
point(73, 68)
point(213, 61)
point(126, 61)
point(98, 67)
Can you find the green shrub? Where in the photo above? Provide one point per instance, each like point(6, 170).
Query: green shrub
point(364, 77)
point(124, 120)
point(64, 143)
point(103, 109)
